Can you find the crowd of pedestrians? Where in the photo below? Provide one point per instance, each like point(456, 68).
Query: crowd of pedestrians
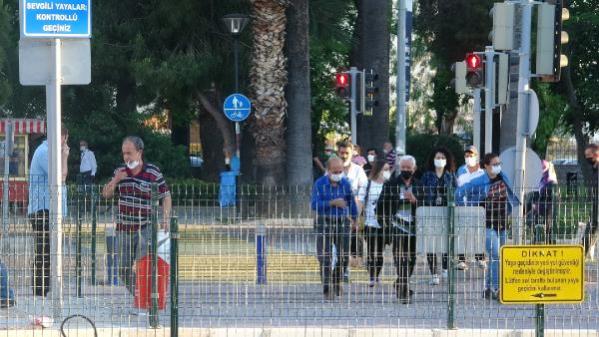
point(381, 194)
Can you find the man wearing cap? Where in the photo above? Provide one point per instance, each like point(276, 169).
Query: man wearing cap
point(466, 173)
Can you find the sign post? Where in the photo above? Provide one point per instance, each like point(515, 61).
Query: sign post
point(44, 24)
point(237, 108)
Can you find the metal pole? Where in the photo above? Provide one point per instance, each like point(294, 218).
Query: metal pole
point(174, 277)
point(523, 113)
point(153, 317)
point(489, 94)
point(78, 268)
point(237, 125)
point(95, 235)
point(400, 128)
point(53, 102)
point(5, 186)
point(353, 72)
point(451, 284)
point(476, 126)
point(261, 254)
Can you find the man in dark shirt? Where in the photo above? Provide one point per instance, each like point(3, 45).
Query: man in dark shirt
point(335, 210)
point(589, 239)
point(396, 210)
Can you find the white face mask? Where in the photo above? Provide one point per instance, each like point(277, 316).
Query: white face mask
point(496, 169)
point(371, 158)
point(82, 148)
point(471, 161)
point(132, 164)
point(440, 163)
point(336, 177)
point(387, 175)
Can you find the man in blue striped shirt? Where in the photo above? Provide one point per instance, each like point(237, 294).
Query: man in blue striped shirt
point(335, 208)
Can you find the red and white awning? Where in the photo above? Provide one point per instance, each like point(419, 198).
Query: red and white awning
point(22, 126)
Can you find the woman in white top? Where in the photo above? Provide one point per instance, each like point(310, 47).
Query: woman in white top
point(381, 172)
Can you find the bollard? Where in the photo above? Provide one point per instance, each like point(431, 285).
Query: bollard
point(261, 254)
point(451, 284)
point(94, 230)
point(174, 277)
point(153, 314)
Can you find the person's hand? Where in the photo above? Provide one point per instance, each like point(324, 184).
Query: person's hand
point(410, 196)
point(65, 149)
point(354, 225)
point(339, 202)
point(120, 175)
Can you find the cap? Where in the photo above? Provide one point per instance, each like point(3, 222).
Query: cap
point(471, 149)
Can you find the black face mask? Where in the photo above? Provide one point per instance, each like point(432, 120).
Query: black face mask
point(406, 175)
point(591, 161)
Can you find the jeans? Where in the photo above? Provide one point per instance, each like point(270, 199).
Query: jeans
point(6, 293)
point(494, 240)
point(331, 232)
point(376, 245)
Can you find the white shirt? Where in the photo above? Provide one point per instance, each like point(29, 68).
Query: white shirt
point(88, 162)
point(373, 198)
point(465, 178)
point(358, 180)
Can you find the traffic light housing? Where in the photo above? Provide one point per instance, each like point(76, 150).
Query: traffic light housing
point(459, 82)
point(475, 71)
point(342, 85)
point(502, 35)
point(550, 37)
point(369, 92)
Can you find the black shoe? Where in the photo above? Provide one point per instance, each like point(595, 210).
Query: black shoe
point(491, 295)
point(7, 303)
point(339, 290)
point(329, 296)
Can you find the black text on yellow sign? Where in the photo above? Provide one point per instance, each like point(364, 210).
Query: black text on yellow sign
point(542, 274)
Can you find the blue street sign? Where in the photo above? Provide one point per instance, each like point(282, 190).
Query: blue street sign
point(237, 107)
point(56, 18)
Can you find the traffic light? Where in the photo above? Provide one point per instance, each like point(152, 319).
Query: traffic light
point(502, 34)
point(459, 82)
point(369, 92)
point(475, 72)
point(342, 85)
point(550, 37)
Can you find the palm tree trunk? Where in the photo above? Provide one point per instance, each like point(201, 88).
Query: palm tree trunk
point(268, 77)
point(299, 127)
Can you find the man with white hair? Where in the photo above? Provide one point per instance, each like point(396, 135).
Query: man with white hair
point(396, 210)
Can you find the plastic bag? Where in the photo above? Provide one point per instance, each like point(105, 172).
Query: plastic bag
point(164, 245)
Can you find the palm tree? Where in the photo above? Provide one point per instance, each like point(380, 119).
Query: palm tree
point(268, 78)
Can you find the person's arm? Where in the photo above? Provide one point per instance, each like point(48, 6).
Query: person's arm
point(94, 164)
point(108, 190)
point(319, 164)
point(317, 203)
point(65, 160)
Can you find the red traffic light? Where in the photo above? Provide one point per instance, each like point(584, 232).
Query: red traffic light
point(342, 80)
point(473, 61)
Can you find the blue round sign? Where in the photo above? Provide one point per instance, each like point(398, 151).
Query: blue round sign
point(237, 107)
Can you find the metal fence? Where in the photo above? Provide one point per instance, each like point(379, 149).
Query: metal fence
point(254, 264)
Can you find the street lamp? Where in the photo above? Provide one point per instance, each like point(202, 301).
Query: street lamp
point(235, 24)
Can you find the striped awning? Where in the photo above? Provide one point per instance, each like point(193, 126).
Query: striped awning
point(22, 126)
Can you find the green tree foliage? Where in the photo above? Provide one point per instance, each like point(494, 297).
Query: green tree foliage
point(450, 29)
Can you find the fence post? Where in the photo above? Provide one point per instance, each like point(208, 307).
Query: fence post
point(539, 238)
point(174, 277)
point(94, 232)
point(261, 254)
point(451, 284)
point(153, 317)
point(78, 195)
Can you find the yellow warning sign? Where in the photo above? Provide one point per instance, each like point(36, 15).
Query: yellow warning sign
point(542, 274)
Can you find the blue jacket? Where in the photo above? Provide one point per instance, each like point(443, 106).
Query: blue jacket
point(476, 191)
point(433, 185)
point(323, 192)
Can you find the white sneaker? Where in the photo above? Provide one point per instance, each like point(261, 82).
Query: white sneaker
point(462, 266)
point(371, 283)
point(482, 264)
point(435, 280)
point(445, 274)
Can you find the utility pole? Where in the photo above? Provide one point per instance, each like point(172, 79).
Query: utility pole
point(400, 128)
point(489, 97)
point(476, 113)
